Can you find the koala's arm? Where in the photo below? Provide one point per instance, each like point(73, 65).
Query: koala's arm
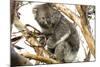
point(61, 32)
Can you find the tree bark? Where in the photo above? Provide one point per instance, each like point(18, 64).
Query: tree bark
point(40, 58)
point(18, 60)
point(85, 30)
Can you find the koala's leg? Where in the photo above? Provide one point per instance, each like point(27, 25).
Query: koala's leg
point(69, 55)
point(64, 53)
point(59, 52)
point(51, 42)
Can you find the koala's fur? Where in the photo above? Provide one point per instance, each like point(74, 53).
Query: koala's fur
point(63, 40)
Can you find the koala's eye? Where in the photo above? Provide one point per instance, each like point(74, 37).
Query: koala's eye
point(43, 18)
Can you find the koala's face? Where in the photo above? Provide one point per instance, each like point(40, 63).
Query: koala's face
point(47, 17)
point(43, 17)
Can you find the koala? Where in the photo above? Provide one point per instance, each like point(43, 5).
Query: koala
point(62, 36)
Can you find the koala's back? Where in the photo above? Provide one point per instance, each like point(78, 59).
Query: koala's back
point(66, 50)
point(63, 28)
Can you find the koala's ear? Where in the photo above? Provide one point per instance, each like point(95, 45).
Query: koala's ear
point(34, 10)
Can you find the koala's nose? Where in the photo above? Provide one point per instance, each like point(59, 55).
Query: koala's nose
point(43, 18)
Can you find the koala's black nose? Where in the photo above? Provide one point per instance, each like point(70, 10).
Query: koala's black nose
point(43, 18)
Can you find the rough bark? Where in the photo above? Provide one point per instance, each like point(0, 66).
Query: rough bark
point(85, 30)
point(40, 58)
point(18, 60)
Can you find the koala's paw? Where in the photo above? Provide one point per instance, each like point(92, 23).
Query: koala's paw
point(53, 56)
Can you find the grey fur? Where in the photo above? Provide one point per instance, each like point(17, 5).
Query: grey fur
point(62, 35)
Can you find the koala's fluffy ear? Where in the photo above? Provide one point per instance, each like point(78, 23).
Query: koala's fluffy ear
point(34, 10)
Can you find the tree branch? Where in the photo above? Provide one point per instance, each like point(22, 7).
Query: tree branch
point(85, 30)
point(17, 59)
point(40, 58)
point(67, 12)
